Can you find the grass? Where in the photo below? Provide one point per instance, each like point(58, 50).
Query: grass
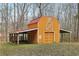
point(64, 49)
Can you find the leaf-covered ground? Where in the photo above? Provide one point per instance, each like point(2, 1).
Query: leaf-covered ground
point(64, 49)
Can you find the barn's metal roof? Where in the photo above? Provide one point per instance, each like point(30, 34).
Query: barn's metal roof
point(34, 21)
point(27, 30)
point(64, 31)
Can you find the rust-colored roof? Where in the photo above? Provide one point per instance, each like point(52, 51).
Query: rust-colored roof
point(34, 21)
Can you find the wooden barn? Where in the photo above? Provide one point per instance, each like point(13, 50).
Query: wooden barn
point(43, 30)
point(48, 30)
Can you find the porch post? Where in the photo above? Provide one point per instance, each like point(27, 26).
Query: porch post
point(70, 36)
point(18, 39)
point(23, 36)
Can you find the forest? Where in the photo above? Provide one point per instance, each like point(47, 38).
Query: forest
point(15, 16)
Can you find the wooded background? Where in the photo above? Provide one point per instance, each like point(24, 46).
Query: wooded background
point(15, 16)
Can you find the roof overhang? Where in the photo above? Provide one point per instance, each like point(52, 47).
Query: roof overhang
point(64, 31)
point(26, 31)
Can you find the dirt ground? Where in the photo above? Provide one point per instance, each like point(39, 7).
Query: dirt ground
point(64, 49)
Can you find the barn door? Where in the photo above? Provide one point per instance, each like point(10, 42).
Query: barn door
point(49, 37)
